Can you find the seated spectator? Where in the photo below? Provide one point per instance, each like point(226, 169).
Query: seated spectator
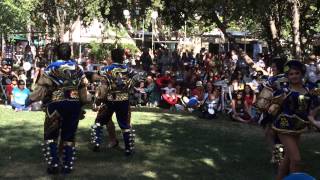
point(169, 90)
point(239, 111)
point(10, 87)
point(237, 86)
point(199, 91)
point(249, 99)
point(153, 92)
point(164, 80)
point(19, 96)
point(169, 95)
point(180, 105)
point(208, 90)
point(211, 105)
point(193, 103)
point(237, 81)
point(22, 76)
point(140, 94)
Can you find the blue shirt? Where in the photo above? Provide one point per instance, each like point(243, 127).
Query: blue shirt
point(20, 96)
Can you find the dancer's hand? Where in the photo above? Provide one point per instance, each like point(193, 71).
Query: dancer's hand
point(273, 109)
point(312, 117)
point(314, 122)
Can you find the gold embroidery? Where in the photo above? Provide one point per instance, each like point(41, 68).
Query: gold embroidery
point(284, 122)
point(118, 97)
point(315, 92)
point(58, 95)
point(65, 94)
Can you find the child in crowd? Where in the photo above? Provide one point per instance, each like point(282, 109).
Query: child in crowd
point(170, 95)
point(211, 105)
point(249, 99)
point(10, 87)
point(140, 94)
point(170, 90)
point(239, 110)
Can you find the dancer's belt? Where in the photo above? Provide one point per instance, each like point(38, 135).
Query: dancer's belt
point(65, 94)
point(117, 96)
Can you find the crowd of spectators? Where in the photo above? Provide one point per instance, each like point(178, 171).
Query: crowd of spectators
point(205, 83)
point(197, 82)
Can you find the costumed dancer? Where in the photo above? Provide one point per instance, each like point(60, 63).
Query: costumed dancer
point(117, 80)
point(263, 103)
point(62, 89)
point(291, 105)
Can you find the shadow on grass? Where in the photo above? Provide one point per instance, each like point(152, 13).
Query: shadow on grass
point(170, 147)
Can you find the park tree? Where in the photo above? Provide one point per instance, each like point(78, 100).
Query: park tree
point(15, 15)
point(57, 15)
point(284, 24)
point(309, 23)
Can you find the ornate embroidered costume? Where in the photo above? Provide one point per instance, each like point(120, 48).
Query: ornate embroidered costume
point(117, 81)
point(294, 108)
point(62, 88)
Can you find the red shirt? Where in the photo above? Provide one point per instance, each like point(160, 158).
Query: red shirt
point(248, 99)
point(163, 81)
point(9, 89)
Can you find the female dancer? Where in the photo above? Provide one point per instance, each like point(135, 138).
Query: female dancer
point(291, 106)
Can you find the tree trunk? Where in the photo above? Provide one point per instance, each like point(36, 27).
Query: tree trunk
point(295, 28)
point(60, 28)
point(3, 45)
point(223, 28)
point(29, 29)
point(276, 45)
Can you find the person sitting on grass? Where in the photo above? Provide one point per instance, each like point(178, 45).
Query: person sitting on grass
point(153, 92)
point(19, 96)
point(169, 95)
point(249, 99)
point(199, 91)
point(140, 94)
point(10, 87)
point(211, 106)
point(239, 110)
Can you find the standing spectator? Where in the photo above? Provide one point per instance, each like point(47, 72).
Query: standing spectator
point(19, 96)
point(165, 61)
point(89, 65)
point(260, 62)
point(177, 63)
point(146, 60)
point(184, 58)
point(243, 67)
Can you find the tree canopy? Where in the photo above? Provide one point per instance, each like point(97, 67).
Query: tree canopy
point(279, 22)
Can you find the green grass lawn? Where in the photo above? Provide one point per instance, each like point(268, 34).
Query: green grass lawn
point(169, 146)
